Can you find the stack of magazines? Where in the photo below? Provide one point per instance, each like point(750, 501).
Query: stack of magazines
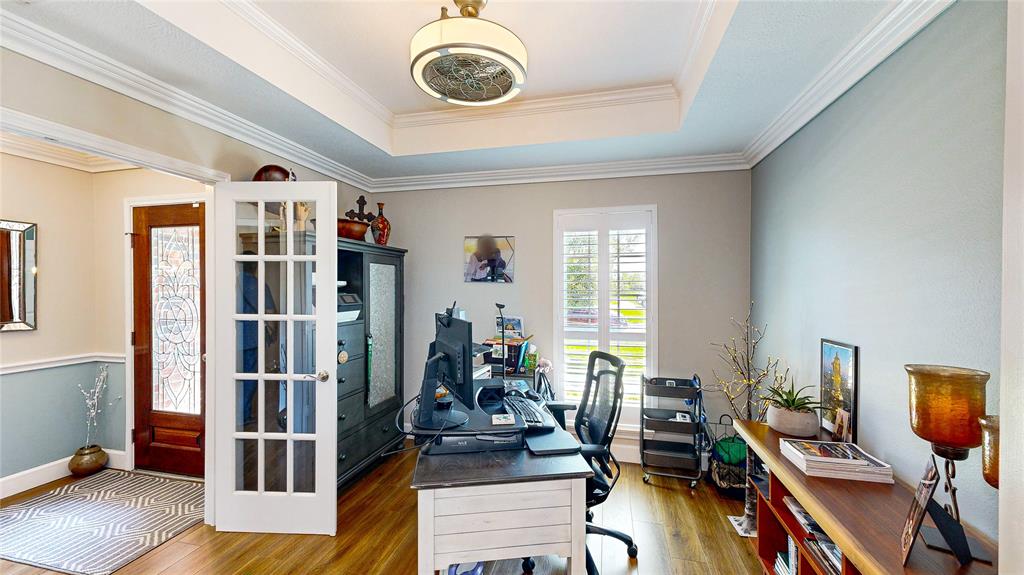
point(835, 459)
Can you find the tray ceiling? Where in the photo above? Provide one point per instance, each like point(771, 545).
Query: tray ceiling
point(638, 87)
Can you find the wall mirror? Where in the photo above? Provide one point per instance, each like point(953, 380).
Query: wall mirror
point(18, 259)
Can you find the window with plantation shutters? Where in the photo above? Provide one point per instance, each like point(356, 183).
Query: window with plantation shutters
point(604, 293)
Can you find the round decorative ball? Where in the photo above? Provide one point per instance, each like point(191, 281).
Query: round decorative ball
point(272, 173)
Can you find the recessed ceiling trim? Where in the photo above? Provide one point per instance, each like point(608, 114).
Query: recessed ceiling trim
point(259, 19)
point(52, 154)
point(594, 171)
point(37, 128)
point(54, 50)
point(883, 37)
point(514, 109)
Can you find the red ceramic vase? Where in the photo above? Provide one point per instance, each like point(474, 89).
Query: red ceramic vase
point(380, 226)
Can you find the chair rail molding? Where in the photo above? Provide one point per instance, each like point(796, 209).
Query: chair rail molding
point(48, 363)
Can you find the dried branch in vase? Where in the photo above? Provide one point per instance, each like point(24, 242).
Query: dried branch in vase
point(745, 385)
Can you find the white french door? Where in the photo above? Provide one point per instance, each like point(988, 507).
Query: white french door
point(276, 410)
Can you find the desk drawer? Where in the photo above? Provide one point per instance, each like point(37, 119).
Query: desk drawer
point(350, 412)
point(352, 376)
point(352, 338)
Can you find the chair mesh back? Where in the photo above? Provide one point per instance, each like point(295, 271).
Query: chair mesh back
point(602, 398)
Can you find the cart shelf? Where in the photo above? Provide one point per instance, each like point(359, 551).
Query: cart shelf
point(679, 458)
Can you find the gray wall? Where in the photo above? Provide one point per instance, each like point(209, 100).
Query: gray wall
point(879, 224)
point(42, 414)
point(703, 259)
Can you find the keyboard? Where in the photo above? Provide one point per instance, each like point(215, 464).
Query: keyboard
point(534, 417)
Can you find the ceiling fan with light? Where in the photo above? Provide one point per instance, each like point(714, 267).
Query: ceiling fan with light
point(467, 60)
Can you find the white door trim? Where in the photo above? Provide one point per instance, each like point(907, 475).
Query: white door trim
point(1011, 387)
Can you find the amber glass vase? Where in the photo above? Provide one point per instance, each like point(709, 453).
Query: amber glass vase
point(990, 449)
point(945, 404)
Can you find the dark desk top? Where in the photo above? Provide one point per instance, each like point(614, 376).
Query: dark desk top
point(489, 467)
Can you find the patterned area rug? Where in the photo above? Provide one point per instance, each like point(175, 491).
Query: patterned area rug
point(99, 524)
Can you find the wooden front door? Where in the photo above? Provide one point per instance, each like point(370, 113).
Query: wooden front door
point(169, 337)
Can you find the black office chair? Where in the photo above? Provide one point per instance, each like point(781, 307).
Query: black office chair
point(597, 417)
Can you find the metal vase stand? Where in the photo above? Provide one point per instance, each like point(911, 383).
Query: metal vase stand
point(678, 426)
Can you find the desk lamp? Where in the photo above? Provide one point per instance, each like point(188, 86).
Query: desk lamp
point(504, 350)
point(945, 404)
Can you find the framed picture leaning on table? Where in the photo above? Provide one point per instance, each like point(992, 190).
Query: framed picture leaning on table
point(839, 371)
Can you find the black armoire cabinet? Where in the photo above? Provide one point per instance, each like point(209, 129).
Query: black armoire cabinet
point(370, 388)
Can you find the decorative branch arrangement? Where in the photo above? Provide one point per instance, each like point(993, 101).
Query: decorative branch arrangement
point(746, 384)
point(94, 403)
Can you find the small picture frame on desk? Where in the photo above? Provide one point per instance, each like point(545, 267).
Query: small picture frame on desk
point(918, 507)
point(839, 374)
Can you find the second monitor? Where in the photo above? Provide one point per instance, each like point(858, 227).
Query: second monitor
point(449, 363)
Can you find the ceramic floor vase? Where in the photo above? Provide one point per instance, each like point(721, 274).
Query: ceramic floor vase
point(88, 460)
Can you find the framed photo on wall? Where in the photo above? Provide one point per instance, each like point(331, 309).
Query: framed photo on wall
point(489, 259)
point(839, 369)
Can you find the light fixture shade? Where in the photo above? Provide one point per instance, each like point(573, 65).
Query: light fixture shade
point(468, 61)
point(945, 404)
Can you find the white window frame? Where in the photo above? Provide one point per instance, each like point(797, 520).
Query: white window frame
point(630, 412)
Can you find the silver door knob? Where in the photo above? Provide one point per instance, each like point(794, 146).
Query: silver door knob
point(320, 376)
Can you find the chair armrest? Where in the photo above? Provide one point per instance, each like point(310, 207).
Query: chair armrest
point(558, 409)
point(597, 454)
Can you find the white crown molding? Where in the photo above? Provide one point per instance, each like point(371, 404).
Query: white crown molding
point(883, 37)
point(67, 360)
point(595, 171)
point(50, 48)
point(41, 129)
point(257, 18)
point(519, 108)
point(58, 155)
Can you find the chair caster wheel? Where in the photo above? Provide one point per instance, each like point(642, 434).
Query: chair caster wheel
point(528, 565)
point(633, 551)
point(647, 478)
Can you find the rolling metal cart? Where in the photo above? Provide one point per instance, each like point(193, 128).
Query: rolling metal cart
point(679, 457)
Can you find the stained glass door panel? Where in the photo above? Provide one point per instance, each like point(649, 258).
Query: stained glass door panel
point(276, 392)
point(169, 341)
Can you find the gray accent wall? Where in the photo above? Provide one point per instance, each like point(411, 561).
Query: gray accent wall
point(42, 414)
point(879, 224)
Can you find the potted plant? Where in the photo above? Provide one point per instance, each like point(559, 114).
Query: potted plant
point(91, 458)
point(791, 413)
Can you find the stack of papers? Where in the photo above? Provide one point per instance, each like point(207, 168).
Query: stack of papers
point(835, 459)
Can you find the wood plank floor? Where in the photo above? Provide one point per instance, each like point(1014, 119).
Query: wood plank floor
point(678, 531)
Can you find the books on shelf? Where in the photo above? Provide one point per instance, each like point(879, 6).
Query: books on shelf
point(835, 459)
point(813, 547)
point(802, 516)
point(794, 558)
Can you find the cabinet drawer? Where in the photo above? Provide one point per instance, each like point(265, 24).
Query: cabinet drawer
point(352, 450)
point(352, 338)
point(350, 412)
point(351, 376)
point(382, 430)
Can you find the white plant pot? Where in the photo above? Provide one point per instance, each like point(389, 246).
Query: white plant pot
point(796, 423)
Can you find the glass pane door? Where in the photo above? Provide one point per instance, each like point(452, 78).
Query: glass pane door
point(280, 358)
point(177, 303)
point(383, 319)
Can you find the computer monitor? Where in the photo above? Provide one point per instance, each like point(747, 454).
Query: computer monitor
point(449, 363)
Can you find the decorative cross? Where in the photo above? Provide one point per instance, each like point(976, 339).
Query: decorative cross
point(361, 215)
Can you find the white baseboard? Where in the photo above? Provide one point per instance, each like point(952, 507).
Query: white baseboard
point(47, 472)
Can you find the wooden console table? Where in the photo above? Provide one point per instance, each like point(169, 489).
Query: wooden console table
point(864, 519)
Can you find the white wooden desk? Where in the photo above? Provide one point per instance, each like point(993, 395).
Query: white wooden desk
point(500, 505)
